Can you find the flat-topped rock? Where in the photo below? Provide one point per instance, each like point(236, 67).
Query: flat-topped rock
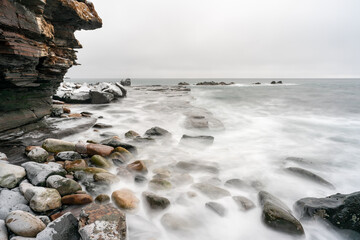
point(67, 156)
point(64, 227)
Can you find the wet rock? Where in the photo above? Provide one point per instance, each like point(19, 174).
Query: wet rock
point(279, 82)
point(64, 186)
point(278, 216)
point(102, 222)
point(10, 175)
point(67, 156)
point(143, 140)
point(3, 231)
point(137, 166)
point(216, 208)
point(116, 142)
point(140, 179)
point(196, 167)
point(64, 227)
point(310, 176)
point(100, 161)
point(55, 145)
point(200, 140)
point(56, 111)
point(126, 82)
point(196, 121)
point(124, 153)
point(243, 203)
point(181, 179)
point(9, 201)
point(159, 184)
point(24, 224)
point(76, 199)
point(37, 173)
point(101, 97)
point(183, 83)
point(98, 149)
point(96, 188)
point(211, 191)
point(102, 199)
point(118, 159)
point(174, 222)
point(157, 132)
point(235, 183)
point(273, 82)
point(140, 228)
point(102, 125)
point(156, 202)
point(125, 199)
point(108, 178)
point(43, 199)
point(131, 134)
point(341, 210)
point(66, 110)
point(77, 165)
point(94, 170)
point(38, 155)
point(123, 173)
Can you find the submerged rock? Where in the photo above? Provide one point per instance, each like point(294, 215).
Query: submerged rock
point(10, 175)
point(341, 210)
point(24, 224)
point(159, 184)
point(131, 134)
point(200, 140)
point(310, 176)
point(157, 132)
point(216, 208)
point(278, 216)
point(196, 167)
point(243, 203)
point(211, 191)
point(102, 222)
point(156, 202)
point(64, 227)
point(108, 178)
point(37, 173)
point(137, 166)
point(236, 183)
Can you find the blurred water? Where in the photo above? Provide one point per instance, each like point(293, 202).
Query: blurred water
point(318, 120)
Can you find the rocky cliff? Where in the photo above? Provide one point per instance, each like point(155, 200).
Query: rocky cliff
point(37, 45)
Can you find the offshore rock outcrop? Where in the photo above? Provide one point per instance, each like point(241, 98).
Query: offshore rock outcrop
point(37, 45)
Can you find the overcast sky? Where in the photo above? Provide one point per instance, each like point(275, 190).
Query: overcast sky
point(222, 38)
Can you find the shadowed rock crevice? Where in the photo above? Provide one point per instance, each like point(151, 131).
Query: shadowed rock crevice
point(37, 45)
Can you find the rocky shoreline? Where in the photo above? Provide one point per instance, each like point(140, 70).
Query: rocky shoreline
point(69, 190)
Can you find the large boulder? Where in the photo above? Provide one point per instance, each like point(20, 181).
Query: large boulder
point(10, 175)
point(37, 173)
point(98, 97)
point(102, 222)
point(24, 224)
point(64, 227)
point(341, 210)
point(278, 216)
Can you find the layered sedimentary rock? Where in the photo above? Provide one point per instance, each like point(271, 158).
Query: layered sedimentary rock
point(37, 45)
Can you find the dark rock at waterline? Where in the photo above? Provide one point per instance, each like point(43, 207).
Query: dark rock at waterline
point(65, 227)
point(102, 125)
point(341, 210)
point(278, 216)
point(279, 82)
point(212, 83)
point(116, 142)
point(257, 83)
point(157, 132)
point(273, 82)
point(140, 179)
point(102, 221)
point(183, 84)
point(156, 202)
point(216, 208)
point(196, 121)
point(201, 140)
point(126, 82)
point(101, 97)
point(310, 176)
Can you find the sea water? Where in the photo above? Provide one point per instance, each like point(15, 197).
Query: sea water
point(256, 127)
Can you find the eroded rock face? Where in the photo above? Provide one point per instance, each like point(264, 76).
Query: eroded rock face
point(37, 45)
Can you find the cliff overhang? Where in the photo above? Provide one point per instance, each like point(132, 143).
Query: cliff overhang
point(37, 47)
